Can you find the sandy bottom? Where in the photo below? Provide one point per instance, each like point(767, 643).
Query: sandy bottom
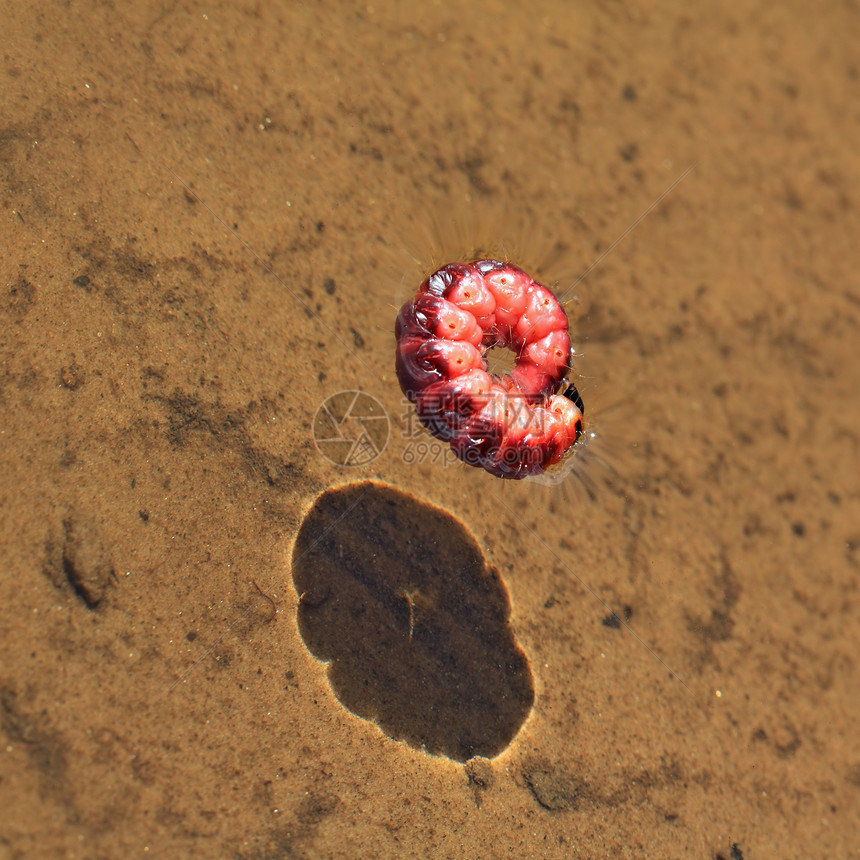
point(210, 216)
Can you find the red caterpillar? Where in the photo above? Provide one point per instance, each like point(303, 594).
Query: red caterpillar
point(515, 425)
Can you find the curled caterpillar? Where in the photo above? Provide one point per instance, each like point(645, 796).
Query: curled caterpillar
point(514, 425)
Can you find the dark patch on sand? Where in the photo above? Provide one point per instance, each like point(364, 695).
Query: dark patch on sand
point(86, 563)
point(75, 556)
point(45, 747)
point(718, 626)
point(398, 597)
point(188, 414)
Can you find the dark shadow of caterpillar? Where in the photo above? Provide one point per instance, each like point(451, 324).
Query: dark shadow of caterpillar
point(396, 595)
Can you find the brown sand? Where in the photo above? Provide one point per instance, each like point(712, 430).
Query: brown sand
point(206, 214)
